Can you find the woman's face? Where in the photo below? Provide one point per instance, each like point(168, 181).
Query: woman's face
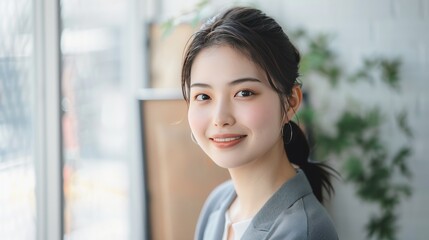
point(234, 113)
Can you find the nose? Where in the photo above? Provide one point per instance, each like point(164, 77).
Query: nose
point(223, 114)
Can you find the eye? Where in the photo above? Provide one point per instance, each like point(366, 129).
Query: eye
point(244, 93)
point(202, 97)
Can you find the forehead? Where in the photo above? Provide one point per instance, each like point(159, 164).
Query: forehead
point(226, 63)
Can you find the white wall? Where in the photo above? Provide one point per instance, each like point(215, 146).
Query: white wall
point(392, 28)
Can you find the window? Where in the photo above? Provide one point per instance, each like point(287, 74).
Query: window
point(94, 120)
point(17, 163)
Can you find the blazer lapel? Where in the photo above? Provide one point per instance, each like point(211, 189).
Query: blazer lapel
point(215, 226)
point(286, 196)
point(216, 222)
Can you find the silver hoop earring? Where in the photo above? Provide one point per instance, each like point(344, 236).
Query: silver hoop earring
point(291, 132)
point(193, 139)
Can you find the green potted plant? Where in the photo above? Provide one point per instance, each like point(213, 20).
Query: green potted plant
point(380, 174)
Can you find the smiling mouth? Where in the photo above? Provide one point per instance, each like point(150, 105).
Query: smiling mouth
point(224, 142)
point(228, 139)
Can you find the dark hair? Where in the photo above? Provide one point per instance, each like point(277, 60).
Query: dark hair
point(262, 39)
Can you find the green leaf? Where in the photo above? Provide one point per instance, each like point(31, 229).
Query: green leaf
point(390, 72)
point(402, 121)
point(383, 227)
point(167, 28)
point(354, 169)
point(399, 161)
point(404, 189)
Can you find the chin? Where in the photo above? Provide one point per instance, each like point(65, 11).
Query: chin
point(229, 164)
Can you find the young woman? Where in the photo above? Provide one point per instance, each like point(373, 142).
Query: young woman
point(239, 78)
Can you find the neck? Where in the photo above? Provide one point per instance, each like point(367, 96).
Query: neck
point(256, 182)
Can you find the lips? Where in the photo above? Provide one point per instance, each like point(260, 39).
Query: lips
point(227, 140)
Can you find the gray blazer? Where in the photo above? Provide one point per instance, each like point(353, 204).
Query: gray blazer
point(293, 212)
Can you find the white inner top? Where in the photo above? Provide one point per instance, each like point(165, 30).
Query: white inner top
point(239, 227)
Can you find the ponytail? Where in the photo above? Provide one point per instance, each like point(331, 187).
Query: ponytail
point(298, 151)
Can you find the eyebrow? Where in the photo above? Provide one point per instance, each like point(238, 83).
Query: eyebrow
point(235, 82)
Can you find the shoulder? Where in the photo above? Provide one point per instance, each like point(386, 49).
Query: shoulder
point(218, 197)
point(305, 219)
point(219, 194)
point(320, 224)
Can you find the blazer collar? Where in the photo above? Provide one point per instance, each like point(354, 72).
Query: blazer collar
point(218, 216)
point(292, 190)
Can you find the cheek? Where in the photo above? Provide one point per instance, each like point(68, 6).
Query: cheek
point(263, 115)
point(197, 120)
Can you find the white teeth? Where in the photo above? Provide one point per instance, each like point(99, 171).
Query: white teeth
point(225, 139)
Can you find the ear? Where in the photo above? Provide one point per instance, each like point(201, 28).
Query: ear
point(293, 103)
